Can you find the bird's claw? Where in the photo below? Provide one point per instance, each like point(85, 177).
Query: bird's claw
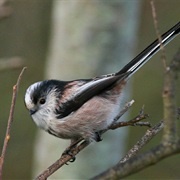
point(69, 153)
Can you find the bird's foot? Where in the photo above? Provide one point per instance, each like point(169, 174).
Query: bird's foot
point(98, 137)
point(68, 150)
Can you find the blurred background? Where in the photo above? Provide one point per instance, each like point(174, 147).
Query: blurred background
point(69, 39)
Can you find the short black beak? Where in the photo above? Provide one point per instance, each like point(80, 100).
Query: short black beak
point(32, 111)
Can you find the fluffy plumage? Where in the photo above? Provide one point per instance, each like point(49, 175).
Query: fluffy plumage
point(81, 108)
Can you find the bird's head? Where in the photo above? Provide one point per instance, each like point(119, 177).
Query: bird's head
point(41, 99)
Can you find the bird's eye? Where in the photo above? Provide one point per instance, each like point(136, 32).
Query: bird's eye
point(42, 101)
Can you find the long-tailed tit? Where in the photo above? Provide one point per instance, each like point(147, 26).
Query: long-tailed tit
point(81, 108)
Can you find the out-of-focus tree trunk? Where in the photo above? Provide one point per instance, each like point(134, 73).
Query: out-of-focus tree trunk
point(88, 38)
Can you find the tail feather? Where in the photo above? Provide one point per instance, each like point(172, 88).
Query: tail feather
point(151, 50)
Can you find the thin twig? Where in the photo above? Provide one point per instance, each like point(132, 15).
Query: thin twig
point(10, 120)
point(169, 102)
point(124, 110)
point(132, 122)
point(155, 20)
point(150, 133)
point(169, 135)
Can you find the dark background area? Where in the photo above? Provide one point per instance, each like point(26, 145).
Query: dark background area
point(26, 33)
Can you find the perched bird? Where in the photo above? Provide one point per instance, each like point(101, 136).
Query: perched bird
point(80, 109)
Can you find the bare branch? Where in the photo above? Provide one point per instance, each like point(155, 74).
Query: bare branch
point(169, 101)
point(10, 120)
point(150, 133)
point(124, 110)
point(155, 20)
point(132, 122)
point(169, 135)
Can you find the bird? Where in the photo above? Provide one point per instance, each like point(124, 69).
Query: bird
point(81, 108)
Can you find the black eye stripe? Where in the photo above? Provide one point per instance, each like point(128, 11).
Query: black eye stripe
point(43, 88)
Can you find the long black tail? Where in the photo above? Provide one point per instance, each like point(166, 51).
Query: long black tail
point(151, 50)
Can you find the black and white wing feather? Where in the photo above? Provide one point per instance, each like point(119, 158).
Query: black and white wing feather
point(84, 90)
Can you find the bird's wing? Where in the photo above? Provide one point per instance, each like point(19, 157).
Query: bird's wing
point(90, 88)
